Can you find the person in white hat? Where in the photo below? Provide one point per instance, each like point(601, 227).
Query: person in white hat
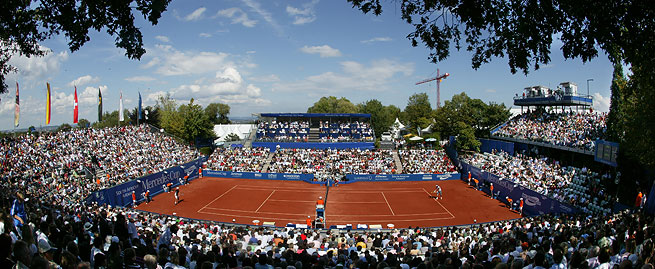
point(437, 191)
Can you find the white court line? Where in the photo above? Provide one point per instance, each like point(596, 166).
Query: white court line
point(385, 220)
point(348, 202)
point(217, 198)
point(269, 196)
point(255, 217)
point(399, 215)
point(280, 188)
point(385, 199)
point(354, 191)
point(439, 203)
point(250, 211)
point(292, 201)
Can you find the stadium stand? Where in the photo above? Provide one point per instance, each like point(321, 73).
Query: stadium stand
point(77, 236)
point(415, 161)
point(45, 224)
point(238, 159)
point(569, 129)
point(577, 186)
point(58, 163)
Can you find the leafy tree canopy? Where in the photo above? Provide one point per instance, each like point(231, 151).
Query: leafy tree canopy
point(418, 111)
point(523, 31)
point(332, 105)
point(23, 24)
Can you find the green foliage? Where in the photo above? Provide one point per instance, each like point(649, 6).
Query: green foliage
point(616, 117)
point(195, 122)
point(382, 117)
point(333, 105)
point(108, 120)
point(218, 113)
point(232, 137)
point(523, 31)
point(24, 24)
point(64, 127)
point(29, 129)
point(207, 151)
point(466, 137)
point(169, 119)
point(473, 112)
point(418, 111)
point(638, 111)
point(83, 123)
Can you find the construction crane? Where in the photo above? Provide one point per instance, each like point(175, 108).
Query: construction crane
point(438, 78)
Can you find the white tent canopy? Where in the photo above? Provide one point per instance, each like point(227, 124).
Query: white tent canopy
point(416, 138)
point(242, 130)
point(396, 127)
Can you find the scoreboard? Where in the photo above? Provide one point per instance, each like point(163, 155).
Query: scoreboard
point(606, 152)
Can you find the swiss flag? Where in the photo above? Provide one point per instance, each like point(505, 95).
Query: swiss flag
point(75, 109)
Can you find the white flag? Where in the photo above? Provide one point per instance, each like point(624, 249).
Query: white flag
point(120, 109)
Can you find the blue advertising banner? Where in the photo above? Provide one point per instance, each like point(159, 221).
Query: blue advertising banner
point(534, 202)
point(121, 195)
point(254, 175)
point(306, 145)
point(399, 177)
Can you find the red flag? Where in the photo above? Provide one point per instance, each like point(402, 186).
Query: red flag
point(75, 110)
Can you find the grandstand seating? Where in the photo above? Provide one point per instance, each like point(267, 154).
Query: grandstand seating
point(60, 231)
point(569, 129)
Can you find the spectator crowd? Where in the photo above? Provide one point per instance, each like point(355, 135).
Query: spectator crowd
point(61, 166)
point(283, 131)
point(422, 161)
point(337, 163)
point(92, 236)
point(580, 187)
point(568, 129)
point(238, 159)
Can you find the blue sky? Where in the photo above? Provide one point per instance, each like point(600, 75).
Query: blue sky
point(269, 56)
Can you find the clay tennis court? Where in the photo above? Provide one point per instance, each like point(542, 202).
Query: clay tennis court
point(402, 204)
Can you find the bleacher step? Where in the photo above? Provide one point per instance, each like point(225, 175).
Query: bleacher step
point(396, 158)
point(269, 158)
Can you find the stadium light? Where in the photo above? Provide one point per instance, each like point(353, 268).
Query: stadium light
point(591, 79)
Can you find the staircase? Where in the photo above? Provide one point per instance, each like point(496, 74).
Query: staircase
point(399, 165)
point(251, 137)
point(314, 135)
point(269, 158)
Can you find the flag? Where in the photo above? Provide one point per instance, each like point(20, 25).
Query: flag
point(139, 105)
point(99, 105)
point(75, 110)
point(17, 112)
point(120, 109)
point(47, 106)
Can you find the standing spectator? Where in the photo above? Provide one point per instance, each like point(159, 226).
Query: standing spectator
point(18, 211)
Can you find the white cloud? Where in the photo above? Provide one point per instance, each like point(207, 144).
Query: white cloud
point(89, 97)
point(490, 90)
point(162, 38)
point(238, 16)
point(37, 68)
point(205, 35)
point(303, 15)
point(195, 15)
point(171, 61)
point(140, 79)
point(257, 8)
point(227, 86)
point(325, 51)
point(269, 78)
point(83, 80)
point(354, 76)
point(377, 39)
point(601, 103)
